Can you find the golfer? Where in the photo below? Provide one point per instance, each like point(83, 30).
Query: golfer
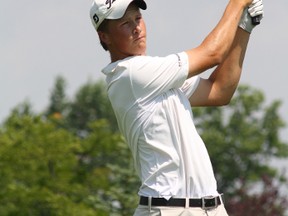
point(152, 99)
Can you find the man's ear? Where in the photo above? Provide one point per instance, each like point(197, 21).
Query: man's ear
point(104, 37)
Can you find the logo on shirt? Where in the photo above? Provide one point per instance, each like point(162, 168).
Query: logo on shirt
point(179, 61)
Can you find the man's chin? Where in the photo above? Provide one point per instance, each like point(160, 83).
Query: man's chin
point(141, 51)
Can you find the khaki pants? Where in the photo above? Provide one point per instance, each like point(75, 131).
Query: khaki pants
point(179, 211)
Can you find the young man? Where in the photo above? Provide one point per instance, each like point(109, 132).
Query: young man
point(152, 99)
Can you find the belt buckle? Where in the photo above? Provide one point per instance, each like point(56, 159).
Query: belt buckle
point(205, 199)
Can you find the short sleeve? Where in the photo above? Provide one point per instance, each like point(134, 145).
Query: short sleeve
point(190, 86)
point(151, 76)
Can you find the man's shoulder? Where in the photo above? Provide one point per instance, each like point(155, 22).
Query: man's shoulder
point(143, 63)
point(127, 63)
point(154, 61)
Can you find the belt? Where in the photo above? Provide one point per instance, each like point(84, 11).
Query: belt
point(204, 203)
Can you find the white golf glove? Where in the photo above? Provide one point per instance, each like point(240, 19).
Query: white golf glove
point(255, 9)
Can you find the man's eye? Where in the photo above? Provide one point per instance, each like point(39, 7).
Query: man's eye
point(125, 23)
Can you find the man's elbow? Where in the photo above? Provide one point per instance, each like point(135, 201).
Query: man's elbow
point(223, 99)
point(217, 55)
point(226, 102)
point(220, 102)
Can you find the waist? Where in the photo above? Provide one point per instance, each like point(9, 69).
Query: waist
point(204, 203)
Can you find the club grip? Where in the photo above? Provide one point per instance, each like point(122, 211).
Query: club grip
point(256, 20)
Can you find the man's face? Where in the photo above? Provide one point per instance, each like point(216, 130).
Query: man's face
point(127, 36)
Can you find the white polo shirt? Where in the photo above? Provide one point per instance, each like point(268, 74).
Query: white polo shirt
point(149, 96)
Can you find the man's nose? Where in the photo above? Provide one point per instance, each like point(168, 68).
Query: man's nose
point(137, 28)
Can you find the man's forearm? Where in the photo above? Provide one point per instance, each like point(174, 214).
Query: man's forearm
point(215, 47)
point(224, 33)
point(226, 76)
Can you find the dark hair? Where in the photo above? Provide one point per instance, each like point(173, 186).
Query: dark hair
point(103, 28)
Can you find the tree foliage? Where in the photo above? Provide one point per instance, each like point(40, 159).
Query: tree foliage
point(267, 203)
point(71, 160)
point(59, 101)
point(242, 139)
point(37, 168)
point(48, 170)
point(90, 104)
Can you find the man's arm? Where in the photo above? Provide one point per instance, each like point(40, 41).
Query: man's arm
point(216, 46)
point(219, 88)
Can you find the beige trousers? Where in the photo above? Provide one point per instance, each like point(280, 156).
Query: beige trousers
point(179, 211)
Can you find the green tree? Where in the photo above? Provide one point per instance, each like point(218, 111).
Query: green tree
point(58, 99)
point(242, 138)
point(90, 104)
point(37, 168)
point(107, 169)
point(46, 170)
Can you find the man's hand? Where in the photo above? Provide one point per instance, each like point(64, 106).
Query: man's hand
point(255, 9)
